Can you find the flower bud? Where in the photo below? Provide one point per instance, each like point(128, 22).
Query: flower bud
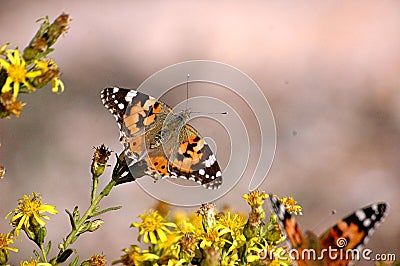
point(2, 171)
point(100, 159)
point(40, 235)
point(94, 225)
point(208, 211)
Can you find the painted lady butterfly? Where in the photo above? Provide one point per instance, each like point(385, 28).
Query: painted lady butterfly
point(352, 232)
point(153, 134)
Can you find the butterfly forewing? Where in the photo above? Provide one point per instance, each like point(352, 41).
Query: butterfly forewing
point(355, 228)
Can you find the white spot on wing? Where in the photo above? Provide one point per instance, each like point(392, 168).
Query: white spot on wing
point(367, 222)
point(210, 161)
point(121, 106)
point(360, 215)
point(130, 95)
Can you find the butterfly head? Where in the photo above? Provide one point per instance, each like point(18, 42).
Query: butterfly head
point(185, 114)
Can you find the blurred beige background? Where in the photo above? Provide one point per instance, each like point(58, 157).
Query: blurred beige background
point(330, 71)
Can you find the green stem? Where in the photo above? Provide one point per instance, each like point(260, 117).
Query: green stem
point(89, 211)
point(94, 188)
point(92, 208)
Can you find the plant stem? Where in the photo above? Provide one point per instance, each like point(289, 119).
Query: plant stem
point(94, 188)
point(92, 208)
point(89, 211)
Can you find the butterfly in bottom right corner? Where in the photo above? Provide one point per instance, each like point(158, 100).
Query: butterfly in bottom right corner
point(340, 245)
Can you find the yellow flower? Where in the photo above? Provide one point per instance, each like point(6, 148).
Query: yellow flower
point(189, 244)
point(255, 199)
point(230, 260)
point(153, 227)
point(49, 72)
point(170, 246)
point(134, 256)
point(95, 260)
point(29, 213)
point(34, 263)
point(189, 224)
point(17, 73)
point(6, 240)
point(213, 237)
point(234, 223)
point(291, 205)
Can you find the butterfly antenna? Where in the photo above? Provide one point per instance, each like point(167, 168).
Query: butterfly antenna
point(187, 91)
point(211, 113)
point(187, 101)
point(323, 220)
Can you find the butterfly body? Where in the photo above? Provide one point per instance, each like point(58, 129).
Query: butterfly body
point(153, 134)
point(338, 245)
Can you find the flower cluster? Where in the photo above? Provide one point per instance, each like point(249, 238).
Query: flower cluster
point(208, 237)
point(28, 217)
point(24, 73)
point(31, 214)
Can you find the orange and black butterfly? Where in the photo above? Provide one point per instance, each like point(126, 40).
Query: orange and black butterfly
point(154, 135)
point(345, 239)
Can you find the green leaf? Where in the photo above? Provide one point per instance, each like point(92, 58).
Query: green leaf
point(104, 211)
point(74, 262)
point(64, 256)
point(71, 219)
point(47, 250)
point(37, 254)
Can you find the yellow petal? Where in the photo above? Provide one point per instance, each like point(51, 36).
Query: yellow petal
point(55, 84)
point(4, 63)
point(33, 74)
point(15, 89)
point(12, 249)
point(39, 220)
point(153, 238)
point(6, 86)
point(10, 56)
point(15, 217)
point(146, 238)
point(161, 235)
point(17, 58)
